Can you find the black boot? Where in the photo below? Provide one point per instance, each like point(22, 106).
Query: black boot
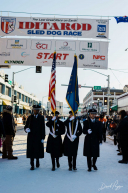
point(94, 167)
point(53, 168)
point(37, 163)
point(12, 158)
point(32, 168)
point(89, 170)
point(57, 162)
point(53, 163)
point(32, 164)
point(123, 161)
point(70, 169)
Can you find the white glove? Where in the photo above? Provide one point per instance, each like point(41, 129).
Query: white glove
point(42, 141)
point(71, 139)
point(74, 137)
point(28, 130)
point(54, 136)
point(54, 118)
point(71, 118)
point(89, 131)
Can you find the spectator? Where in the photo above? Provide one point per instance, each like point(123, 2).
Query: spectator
point(9, 127)
point(24, 119)
point(2, 132)
point(123, 129)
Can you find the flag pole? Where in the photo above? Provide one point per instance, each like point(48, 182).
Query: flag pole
point(72, 124)
point(55, 98)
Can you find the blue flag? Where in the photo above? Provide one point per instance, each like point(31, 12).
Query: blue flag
point(72, 96)
point(121, 19)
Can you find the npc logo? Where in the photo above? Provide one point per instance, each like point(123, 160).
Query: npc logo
point(8, 24)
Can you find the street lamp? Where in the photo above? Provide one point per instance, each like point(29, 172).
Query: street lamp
point(92, 104)
point(12, 101)
point(108, 88)
point(98, 105)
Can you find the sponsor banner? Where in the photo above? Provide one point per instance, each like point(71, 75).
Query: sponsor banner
point(57, 27)
point(39, 52)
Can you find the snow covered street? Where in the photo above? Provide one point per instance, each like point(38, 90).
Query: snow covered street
point(16, 177)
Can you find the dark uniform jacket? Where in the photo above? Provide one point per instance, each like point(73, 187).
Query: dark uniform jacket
point(54, 145)
point(2, 132)
point(91, 142)
point(123, 130)
point(8, 122)
point(35, 149)
point(71, 148)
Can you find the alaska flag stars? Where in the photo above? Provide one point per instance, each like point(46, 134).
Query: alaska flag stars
point(121, 19)
point(72, 96)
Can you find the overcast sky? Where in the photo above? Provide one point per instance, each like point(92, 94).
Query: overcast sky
point(117, 56)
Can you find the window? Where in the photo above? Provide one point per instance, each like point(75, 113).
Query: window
point(0, 88)
point(17, 95)
point(25, 98)
point(7, 91)
point(22, 97)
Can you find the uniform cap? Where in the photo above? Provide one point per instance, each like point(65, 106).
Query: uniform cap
point(93, 111)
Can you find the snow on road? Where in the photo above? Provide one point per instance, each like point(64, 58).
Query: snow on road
point(16, 177)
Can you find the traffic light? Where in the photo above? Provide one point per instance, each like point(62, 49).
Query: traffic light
point(15, 99)
point(38, 69)
point(6, 77)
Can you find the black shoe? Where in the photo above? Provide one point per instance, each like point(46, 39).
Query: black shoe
point(95, 168)
point(37, 164)
point(12, 158)
point(123, 161)
point(58, 165)
point(119, 154)
point(4, 157)
point(70, 169)
point(89, 170)
point(53, 169)
point(32, 168)
point(75, 169)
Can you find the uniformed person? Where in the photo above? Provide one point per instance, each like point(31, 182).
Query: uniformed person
point(54, 142)
point(71, 140)
point(35, 127)
point(93, 130)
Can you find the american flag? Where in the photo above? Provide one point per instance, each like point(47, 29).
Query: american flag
point(52, 84)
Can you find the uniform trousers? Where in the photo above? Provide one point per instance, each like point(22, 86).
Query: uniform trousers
point(53, 160)
point(91, 162)
point(72, 161)
point(32, 161)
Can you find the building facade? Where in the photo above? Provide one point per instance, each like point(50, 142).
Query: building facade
point(24, 99)
point(59, 107)
point(98, 99)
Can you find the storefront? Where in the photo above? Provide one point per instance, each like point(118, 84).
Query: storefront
point(5, 103)
point(26, 109)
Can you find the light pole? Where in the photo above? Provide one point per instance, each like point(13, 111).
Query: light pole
point(98, 105)
point(108, 88)
point(12, 100)
point(42, 99)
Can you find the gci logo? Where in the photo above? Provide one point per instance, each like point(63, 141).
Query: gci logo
point(98, 57)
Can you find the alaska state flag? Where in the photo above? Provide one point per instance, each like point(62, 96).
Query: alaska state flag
point(72, 96)
point(121, 19)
